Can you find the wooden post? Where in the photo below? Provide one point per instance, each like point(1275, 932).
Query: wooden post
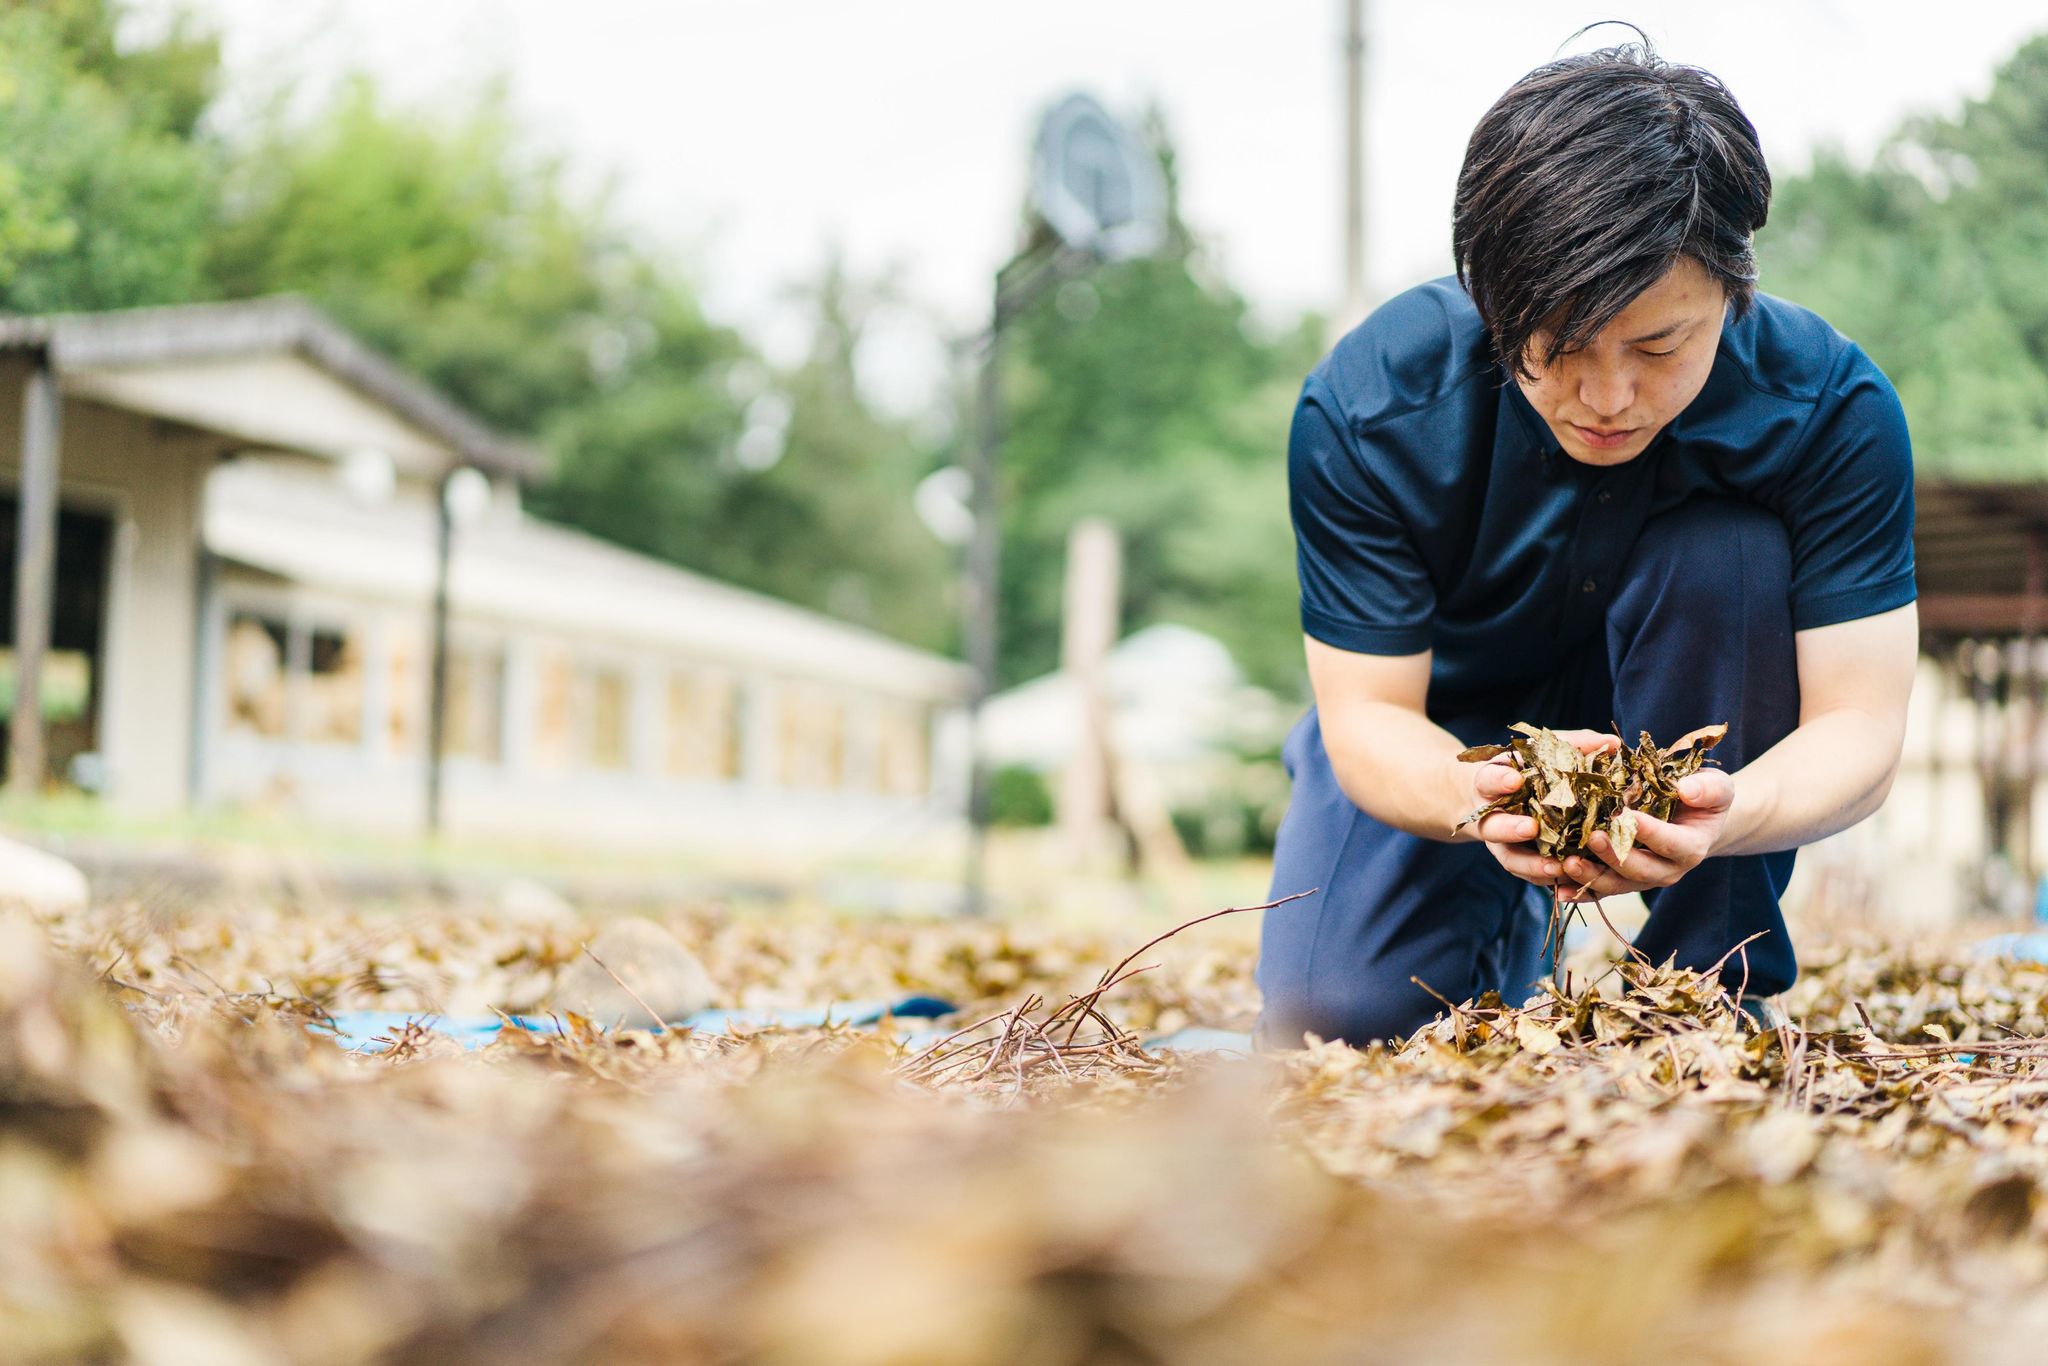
point(1088, 630)
point(35, 562)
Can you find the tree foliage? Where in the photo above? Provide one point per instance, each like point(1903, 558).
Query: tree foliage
point(1932, 259)
point(447, 244)
point(166, 82)
point(808, 494)
point(105, 196)
point(1147, 394)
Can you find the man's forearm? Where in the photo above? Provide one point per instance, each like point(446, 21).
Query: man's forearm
point(1828, 774)
point(1400, 768)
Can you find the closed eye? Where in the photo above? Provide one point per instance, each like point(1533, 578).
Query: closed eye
point(1660, 353)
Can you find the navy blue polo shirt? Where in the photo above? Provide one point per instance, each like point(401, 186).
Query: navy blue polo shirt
point(1434, 510)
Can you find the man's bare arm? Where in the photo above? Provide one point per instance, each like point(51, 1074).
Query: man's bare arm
point(1834, 769)
point(1402, 769)
point(1838, 765)
point(1393, 762)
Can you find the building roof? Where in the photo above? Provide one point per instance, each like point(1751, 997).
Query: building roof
point(124, 342)
point(512, 569)
point(1981, 552)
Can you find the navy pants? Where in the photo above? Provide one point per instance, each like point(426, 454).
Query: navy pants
point(1699, 631)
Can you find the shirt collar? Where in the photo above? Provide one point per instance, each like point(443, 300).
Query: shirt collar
point(1537, 432)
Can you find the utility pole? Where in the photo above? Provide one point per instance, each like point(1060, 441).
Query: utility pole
point(1354, 306)
point(982, 585)
point(1019, 284)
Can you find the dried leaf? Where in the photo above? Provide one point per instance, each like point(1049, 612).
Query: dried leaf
point(1706, 737)
point(1622, 830)
point(1535, 1036)
point(1552, 750)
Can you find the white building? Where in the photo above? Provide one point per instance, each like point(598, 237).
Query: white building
point(241, 584)
point(1179, 707)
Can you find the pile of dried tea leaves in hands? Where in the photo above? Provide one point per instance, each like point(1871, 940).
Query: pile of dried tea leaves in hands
point(1571, 794)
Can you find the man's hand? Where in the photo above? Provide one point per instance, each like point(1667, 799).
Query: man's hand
point(1509, 838)
point(1665, 850)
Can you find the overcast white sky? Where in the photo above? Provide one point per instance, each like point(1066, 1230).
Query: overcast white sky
point(753, 135)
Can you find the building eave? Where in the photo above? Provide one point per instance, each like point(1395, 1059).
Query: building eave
point(279, 324)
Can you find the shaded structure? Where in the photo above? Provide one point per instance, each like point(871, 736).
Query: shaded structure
point(122, 417)
point(1981, 551)
point(231, 578)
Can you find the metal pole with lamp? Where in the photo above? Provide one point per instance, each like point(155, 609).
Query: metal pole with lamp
point(1101, 193)
point(462, 498)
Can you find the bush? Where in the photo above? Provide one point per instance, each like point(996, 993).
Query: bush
point(1019, 797)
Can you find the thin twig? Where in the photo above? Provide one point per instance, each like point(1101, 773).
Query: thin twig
point(651, 1011)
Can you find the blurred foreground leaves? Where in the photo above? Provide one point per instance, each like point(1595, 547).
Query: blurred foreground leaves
point(189, 1174)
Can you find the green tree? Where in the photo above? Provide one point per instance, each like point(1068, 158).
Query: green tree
point(453, 248)
point(1931, 258)
point(1146, 394)
point(166, 83)
point(105, 201)
point(858, 548)
point(807, 494)
point(436, 240)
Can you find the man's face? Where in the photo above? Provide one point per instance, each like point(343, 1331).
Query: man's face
point(1605, 401)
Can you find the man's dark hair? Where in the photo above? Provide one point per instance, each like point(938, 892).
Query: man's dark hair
point(1588, 180)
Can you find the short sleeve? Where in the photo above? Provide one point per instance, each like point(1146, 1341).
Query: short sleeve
point(1849, 504)
point(1363, 585)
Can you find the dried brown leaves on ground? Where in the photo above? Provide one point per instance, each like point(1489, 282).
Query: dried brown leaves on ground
point(187, 1173)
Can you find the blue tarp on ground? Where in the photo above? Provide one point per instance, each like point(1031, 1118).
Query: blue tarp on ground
point(1201, 1039)
point(2024, 948)
point(371, 1031)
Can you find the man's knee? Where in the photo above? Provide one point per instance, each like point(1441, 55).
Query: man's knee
point(1712, 561)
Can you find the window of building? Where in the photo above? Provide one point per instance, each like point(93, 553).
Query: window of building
point(476, 702)
point(903, 757)
point(253, 673)
point(293, 682)
point(812, 737)
point(334, 687)
point(703, 727)
point(609, 708)
point(405, 699)
point(554, 711)
point(583, 714)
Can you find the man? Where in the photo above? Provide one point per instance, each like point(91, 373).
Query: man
point(1595, 478)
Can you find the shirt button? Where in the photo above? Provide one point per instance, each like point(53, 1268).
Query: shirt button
point(1590, 586)
point(1605, 495)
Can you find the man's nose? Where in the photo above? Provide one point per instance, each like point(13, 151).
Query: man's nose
point(1607, 390)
